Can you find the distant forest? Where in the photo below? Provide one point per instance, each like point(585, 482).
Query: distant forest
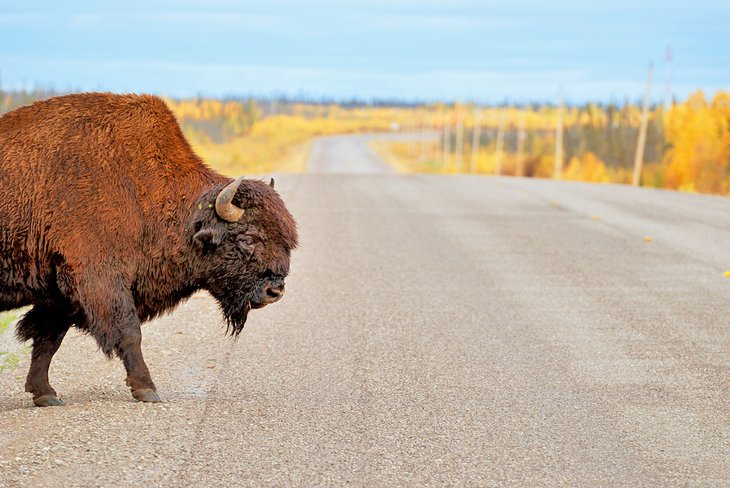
point(687, 144)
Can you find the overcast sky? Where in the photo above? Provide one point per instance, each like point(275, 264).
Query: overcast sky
point(519, 50)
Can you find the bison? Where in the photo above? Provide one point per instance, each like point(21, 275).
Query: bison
point(108, 219)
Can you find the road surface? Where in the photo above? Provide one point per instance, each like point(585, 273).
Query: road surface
point(440, 330)
point(350, 154)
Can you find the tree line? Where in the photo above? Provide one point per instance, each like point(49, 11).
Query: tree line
point(687, 147)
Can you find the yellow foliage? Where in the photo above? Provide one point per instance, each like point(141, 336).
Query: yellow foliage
point(698, 135)
point(235, 138)
point(586, 168)
point(690, 149)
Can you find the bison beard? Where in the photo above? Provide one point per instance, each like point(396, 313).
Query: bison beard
point(236, 303)
point(108, 219)
point(235, 311)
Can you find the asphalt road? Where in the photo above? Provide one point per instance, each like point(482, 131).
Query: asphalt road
point(440, 330)
point(350, 154)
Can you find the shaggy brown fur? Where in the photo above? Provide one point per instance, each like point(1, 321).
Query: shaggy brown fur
point(107, 219)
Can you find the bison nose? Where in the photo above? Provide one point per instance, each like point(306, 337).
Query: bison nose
point(273, 293)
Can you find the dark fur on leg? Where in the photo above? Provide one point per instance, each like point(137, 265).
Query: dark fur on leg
point(47, 326)
point(116, 328)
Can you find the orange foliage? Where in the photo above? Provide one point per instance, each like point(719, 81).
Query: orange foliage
point(698, 135)
point(688, 146)
point(587, 168)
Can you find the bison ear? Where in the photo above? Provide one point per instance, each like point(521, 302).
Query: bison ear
point(271, 183)
point(207, 238)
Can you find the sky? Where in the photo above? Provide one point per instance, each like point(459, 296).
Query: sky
point(414, 50)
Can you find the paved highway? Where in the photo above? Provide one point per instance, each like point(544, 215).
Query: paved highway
point(440, 330)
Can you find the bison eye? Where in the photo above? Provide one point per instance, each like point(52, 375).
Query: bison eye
point(245, 243)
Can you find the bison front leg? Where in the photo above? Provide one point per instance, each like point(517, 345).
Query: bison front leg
point(116, 327)
point(47, 327)
point(129, 350)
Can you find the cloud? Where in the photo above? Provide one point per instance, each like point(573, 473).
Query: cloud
point(187, 79)
point(444, 21)
point(183, 19)
point(23, 18)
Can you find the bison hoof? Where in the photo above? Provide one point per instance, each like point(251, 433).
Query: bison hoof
point(146, 395)
point(48, 401)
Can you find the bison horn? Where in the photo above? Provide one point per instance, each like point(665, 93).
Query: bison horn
point(224, 203)
point(271, 183)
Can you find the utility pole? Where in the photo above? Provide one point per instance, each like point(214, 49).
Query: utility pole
point(557, 174)
point(476, 135)
point(447, 140)
point(414, 130)
point(436, 143)
point(668, 81)
point(639, 157)
point(519, 159)
point(500, 145)
point(423, 119)
point(459, 149)
point(408, 128)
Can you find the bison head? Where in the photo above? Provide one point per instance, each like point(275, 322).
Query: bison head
point(244, 236)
